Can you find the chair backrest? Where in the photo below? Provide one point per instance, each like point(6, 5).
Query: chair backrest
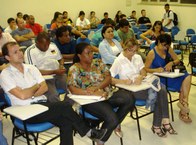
point(152, 45)
point(80, 40)
point(7, 99)
point(99, 26)
point(135, 29)
point(190, 31)
point(193, 39)
point(143, 27)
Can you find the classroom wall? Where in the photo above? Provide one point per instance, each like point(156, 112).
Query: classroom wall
point(44, 10)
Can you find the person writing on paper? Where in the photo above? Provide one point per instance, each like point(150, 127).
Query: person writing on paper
point(134, 74)
point(156, 62)
point(24, 85)
point(156, 30)
point(88, 76)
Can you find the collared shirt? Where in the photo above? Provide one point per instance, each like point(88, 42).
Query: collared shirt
point(166, 17)
point(11, 78)
point(67, 48)
point(47, 60)
point(36, 28)
point(6, 37)
point(125, 68)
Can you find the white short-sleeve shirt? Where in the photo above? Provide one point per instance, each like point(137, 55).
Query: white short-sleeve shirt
point(11, 78)
point(47, 60)
point(167, 16)
point(82, 23)
point(125, 68)
point(6, 37)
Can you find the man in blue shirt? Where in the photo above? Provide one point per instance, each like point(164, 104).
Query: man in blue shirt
point(65, 43)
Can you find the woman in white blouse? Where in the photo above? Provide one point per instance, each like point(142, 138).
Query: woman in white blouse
point(130, 69)
point(109, 48)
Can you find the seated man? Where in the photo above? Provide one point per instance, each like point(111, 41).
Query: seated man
point(35, 27)
point(125, 32)
point(97, 37)
point(11, 25)
point(144, 20)
point(22, 35)
point(25, 85)
point(65, 43)
point(47, 58)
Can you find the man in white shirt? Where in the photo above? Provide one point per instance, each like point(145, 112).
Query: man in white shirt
point(48, 59)
point(12, 25)
point(168, 18)
point(24, 84)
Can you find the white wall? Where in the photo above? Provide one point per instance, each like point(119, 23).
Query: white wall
point(43, 10)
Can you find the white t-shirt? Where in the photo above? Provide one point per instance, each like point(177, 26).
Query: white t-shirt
point(166, 19)
point(82, 23)
point(11, 78)
point(115, 50)
point(6, 37)
point(125, 68)
point(47, 60)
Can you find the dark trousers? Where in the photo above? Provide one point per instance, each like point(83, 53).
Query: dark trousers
point(161, 106)
point(63, 116)
point(59, 82)
point(122, 99)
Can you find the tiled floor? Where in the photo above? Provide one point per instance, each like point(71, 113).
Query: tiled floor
point(186, 132)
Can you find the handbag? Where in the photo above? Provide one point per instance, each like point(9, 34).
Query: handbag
point(179, 66)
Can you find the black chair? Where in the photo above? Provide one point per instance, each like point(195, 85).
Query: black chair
point(139, 112)
point(192, 61)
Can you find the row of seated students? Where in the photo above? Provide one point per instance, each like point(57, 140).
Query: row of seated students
point(97, 73)
point(107, 34)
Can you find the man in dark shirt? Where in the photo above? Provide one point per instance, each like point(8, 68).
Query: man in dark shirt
point(144, 20)
point(65, 43)
point(105, 18)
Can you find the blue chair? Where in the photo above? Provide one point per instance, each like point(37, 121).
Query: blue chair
point(143, 28)
point(93, 121)
point(80, 40)
point(99, 26)
point(189, 33)
point(21, 128)
point(135, 30)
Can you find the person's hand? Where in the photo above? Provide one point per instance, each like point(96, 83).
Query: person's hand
point(92, 88)
point(160, 69)
point(60, 71)
point(127, 82)
point(168, 67)
point(101, 92)
point(138, 80)
point(83, 36)
point(149, 41)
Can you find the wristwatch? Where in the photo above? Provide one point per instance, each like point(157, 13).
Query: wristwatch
point(32, 97)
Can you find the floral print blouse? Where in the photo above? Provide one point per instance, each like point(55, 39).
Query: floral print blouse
point(80, 78)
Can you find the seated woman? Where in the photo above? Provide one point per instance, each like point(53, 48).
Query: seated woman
point(90, 76)
point(94, 21)
point(82, 23)
point(109, 47)
point(130, 68)
point(156, 62)
point(151, 34)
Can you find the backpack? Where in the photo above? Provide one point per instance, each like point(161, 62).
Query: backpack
point(175, 20)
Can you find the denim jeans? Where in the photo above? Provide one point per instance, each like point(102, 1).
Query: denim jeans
point(3, 140)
